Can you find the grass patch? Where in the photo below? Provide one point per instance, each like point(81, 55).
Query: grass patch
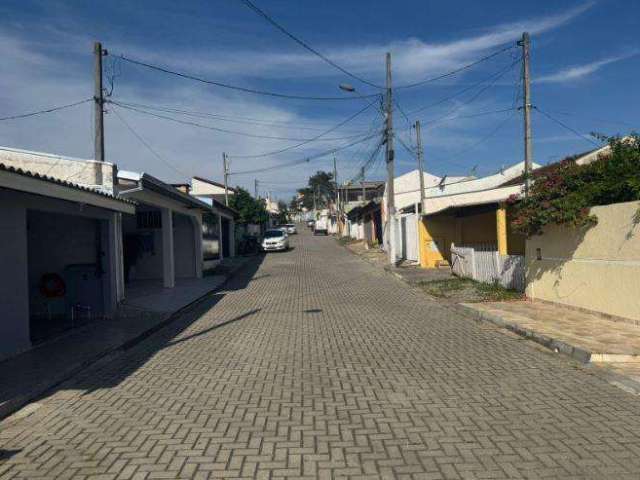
point(466, 290)
point(346, 240)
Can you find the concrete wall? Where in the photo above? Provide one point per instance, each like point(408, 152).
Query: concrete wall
point(83, 172)
point(183, 244)
point(14, 292)
point(15, 260)
point(54, 242)
point(595, 268)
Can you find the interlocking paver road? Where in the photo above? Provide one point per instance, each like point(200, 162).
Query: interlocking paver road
point(317, 365)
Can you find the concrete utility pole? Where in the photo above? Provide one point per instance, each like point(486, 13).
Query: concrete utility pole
point(315, 194)
point(225, 166)
point(526, 107)
point(98, 96)
point(255, 188)
point(364, 190)
point(391, 208)
point(420, 155)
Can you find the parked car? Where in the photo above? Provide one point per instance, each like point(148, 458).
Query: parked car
point(275, 240)
point(311, 223)
point(291, 229)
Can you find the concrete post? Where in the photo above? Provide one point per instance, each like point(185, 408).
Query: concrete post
point(501, 229)
point(168, 260)
point(220, 241)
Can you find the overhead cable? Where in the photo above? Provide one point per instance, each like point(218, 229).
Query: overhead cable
point(305, 45)
point(222, 130)
point(317, 137)
point(567, 127)
point(236, 87)
point(306, 159)
point(47, 110)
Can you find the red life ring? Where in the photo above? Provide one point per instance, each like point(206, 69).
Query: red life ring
point(52, 285)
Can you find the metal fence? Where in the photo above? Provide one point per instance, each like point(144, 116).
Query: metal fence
point(484, 264)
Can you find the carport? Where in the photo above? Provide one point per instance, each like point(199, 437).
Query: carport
point(60, 256)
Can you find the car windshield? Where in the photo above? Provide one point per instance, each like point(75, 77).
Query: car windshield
point(273, 233)
point(290, 225)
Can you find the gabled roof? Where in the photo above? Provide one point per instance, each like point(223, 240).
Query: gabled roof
point(214, 183)
point(126, 204)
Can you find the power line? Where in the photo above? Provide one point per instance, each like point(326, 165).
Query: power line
point(305, 45)
point(226, 117)
point(149, 147)
point(305, 160)
point(457, 70)
point(612, 122)
point(497, 74)
point(317, 137)
point(235, 87)
point(222, 130)
point(47, 110)
point(567, 127)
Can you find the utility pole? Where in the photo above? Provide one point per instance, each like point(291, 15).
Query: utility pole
point(420, 155)
point(255, 188)
point(364, 190)
point(225, 167)
point(526, 107)
point(98, 96)
point(335, 193)
point(391, 208)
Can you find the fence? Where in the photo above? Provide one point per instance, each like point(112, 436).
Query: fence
point(484, 264)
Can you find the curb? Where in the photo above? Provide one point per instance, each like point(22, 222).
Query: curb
point(558, 346)
point(13, 405)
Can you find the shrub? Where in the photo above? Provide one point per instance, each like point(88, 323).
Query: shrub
point(565, 193)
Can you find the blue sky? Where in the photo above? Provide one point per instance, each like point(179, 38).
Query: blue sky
point(585, 64)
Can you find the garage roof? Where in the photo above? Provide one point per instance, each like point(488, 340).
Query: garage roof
point(13, 178)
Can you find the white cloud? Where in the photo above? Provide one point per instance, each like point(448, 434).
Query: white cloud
point(577, 72)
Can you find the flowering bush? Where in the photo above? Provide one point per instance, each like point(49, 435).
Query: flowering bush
point(565, 193)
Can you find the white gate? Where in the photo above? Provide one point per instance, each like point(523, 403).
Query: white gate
point(409, 234)
point(484, 264)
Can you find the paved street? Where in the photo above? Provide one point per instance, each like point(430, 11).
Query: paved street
point(317, 365)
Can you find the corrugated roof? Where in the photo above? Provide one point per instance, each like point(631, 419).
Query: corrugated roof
point(65, 183)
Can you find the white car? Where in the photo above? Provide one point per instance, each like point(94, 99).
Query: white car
point(275, 240)
point(291, 229)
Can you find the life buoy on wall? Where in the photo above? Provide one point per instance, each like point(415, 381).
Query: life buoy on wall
point(52, 285)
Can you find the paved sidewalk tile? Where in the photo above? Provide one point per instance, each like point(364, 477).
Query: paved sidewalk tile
point(320, 365)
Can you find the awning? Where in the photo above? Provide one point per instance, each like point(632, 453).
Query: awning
point(435, 205)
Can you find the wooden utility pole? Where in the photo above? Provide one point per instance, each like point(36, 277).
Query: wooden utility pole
point(98, 96)
point(420, 155)
point(225, 166)
point(526, 107)
point(390, 153)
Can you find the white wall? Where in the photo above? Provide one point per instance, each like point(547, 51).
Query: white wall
point(83, 172)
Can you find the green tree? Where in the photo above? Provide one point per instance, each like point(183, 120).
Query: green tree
point(250, 210)
point(283, 212)
point(322, 183)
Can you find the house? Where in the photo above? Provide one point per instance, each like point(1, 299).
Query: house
point(470, 211)
point(351, 196)
point(364, 222)
point(163, 240)
point(61, 254)
point(203, 187)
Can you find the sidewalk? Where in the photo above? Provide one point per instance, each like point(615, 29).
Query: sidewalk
point(610, 345)
point(585, 336)
point(27, 376)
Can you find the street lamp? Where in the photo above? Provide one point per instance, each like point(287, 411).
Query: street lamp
point(347, 87)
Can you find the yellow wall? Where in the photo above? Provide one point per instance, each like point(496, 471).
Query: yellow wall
point(480, 228)
point(597, 268)
point(436, 234)
point(515, 241)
